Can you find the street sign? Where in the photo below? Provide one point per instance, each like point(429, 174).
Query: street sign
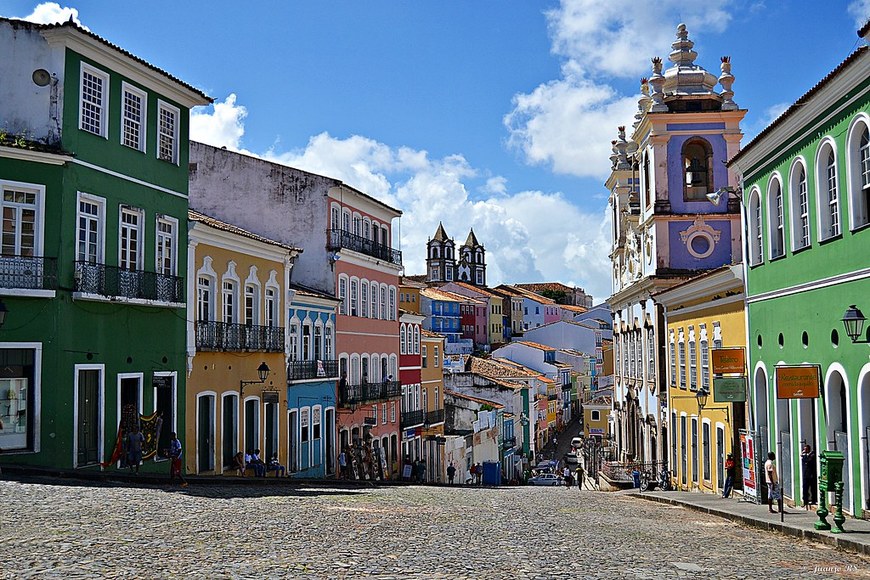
point(728, 361)
point(729, 390)
point(797, 382)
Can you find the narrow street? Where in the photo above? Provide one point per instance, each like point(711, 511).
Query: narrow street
point(77, 531)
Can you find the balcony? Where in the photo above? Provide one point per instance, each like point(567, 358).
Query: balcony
point(300, 370)
point(342, 239)
point(509, 442)
point(28, 273)
point(111, 281)
point(434, 417)
point(368, 392)
point(412, 418)
point(222, 336)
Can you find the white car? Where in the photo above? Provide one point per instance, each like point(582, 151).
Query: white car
point(571, 457)
point(577, 442)
point(545, 479)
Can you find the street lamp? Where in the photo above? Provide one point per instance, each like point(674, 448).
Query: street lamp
point(853, 320)
point(262, 373)
point(715, 196)
point(3, 312)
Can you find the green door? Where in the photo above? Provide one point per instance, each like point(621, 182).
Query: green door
point(205, 434)
point(89, 405)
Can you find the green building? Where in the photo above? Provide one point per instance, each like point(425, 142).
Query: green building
point(94, 179)
point(806, 193)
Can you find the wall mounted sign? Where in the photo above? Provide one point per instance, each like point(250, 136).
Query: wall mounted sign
point(797, 382)
point(729, 390)
point(728, 361)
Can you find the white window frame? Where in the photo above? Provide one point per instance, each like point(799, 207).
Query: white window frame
point(161, 134)
point(39, 209)
point(272, 306)
point(293, 338)
point(143, 116)
point(342, 294)
point(799, 206)
point(859, 172)
point(827, 191)
point(100, 221)
point(160, 239)
point(101, 107)
point(775, 218)
point(756, 252)
point(139, 229)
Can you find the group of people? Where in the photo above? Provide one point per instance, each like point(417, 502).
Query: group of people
point(569, 477)
point(134, 440)
point(251, 460)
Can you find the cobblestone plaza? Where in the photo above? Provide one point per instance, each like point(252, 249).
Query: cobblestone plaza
point(76, 530)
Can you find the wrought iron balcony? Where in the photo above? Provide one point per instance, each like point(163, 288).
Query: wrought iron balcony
point(222, 336)
point(412, 418)
point(106, 280)
point(299, 370)
point(435, 417)
point(338, 239)
point(367, 392)
point(28, 272)
point(509, 442)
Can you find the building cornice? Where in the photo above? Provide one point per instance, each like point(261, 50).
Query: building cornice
point(34, 156)
point(200, 233)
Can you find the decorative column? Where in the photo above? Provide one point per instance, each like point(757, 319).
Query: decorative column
point(726, 79)
point(657, 81)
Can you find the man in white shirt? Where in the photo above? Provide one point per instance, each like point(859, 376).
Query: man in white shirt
point(772, 478)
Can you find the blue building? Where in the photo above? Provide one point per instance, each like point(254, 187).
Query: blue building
point(312, 375)
point(443, 316)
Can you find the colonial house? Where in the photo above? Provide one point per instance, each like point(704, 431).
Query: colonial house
point(665, 229)
point(806, 197)
point(413, 355)
point(93, 172)
point(432, 391)
point(236, 361)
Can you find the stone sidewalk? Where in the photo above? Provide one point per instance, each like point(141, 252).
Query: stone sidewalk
point(795, 521)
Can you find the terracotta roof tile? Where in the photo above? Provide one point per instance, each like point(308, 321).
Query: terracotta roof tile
point(195, 216)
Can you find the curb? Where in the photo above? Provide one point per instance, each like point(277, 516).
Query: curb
point(838, 541)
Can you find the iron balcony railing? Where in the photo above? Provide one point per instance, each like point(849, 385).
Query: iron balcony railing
point(435, 417)
point(299, 370)
point(106, 280)
point(412, 418)
point(367, 392)
point(28, 272)
point(339, 239)
point(509, 442)
point(223, 336)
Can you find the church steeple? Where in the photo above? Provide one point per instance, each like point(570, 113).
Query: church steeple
point(440, 257)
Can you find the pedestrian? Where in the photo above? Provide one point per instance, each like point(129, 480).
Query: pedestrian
point(729, 476)
point(566, 475)
point(772, 478)
point(342, 465)
point(134, 440)
point(451, 473)
point(635, 476)
point(810, 477)
point(175, 460)
point(473, 472)
point(422, 471)
point(579, 474)
point(478, 472)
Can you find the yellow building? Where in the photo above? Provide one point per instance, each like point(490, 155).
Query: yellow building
point(432, 386)
point(409, 295)
point(702, 314)
point(237, 300)
point(595, 414)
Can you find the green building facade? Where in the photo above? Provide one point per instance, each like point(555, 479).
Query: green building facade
point(94, 178)
point(806, 195)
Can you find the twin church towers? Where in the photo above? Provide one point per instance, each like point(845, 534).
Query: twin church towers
point(443, 264)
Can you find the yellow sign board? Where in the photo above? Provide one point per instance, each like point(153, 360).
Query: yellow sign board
point(728, 361)
point(797, 382)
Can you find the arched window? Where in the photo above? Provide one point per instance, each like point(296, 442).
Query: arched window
point(859, 173)
point(775, 224)
point(697, 156)
point(402, 340)
point(364, 298)
point(392, 315)
point(799, 203)
point(354, 297)
point(375, 300)
point(384, 313)
point(828, 195)
point(342, 294)
point(416, 340)
point(335, 221)
point(204, 298)
point(755, 254)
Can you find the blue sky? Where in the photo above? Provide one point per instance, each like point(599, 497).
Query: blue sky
point(496, 115)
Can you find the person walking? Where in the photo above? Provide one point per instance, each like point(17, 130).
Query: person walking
point(451, 473)
point(175, 460)
point(729, 476)
point(810, 476)
point(134, 442)
point(772, 478)
point(342, 465)
point(580, 476)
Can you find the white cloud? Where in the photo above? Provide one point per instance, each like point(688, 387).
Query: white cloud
point(860, 11)
point(529, 236)
point(569, 122)
point(223, 126)
point(52, 12)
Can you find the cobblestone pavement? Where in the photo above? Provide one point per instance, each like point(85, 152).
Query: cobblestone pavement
point(275, 531)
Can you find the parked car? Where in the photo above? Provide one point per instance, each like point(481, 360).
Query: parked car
point(571, 457)
point(577, 442)
point(545, 479)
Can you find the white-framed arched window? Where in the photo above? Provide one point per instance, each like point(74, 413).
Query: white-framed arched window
point(754, 226)
point(293, 338)
point(357, 224)
point(354, 370)
point(416, 339)
point(374, 297)
point(384, 313)
point(345, 220)
point(367, 226)
point(402, 340)
point(342, 294)
point(335, 216)
point(392, 315)
point(306, 339)
point(354, 297)
point(827, 191)
point(364, 298)
point(327, 341)
point(252, 298)
point(858, 147)
point(799, 205)
point(775, 218)
point(230, 295)
point(318, 339)
point(206, 279)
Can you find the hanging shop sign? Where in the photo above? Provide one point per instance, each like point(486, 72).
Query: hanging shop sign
point(729, 389)
point(727, 361)
point(797, 382)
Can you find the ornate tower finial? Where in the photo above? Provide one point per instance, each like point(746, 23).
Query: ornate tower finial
point(657, 81)
point(682, 54)
point(643, 102)
point(726, 79)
